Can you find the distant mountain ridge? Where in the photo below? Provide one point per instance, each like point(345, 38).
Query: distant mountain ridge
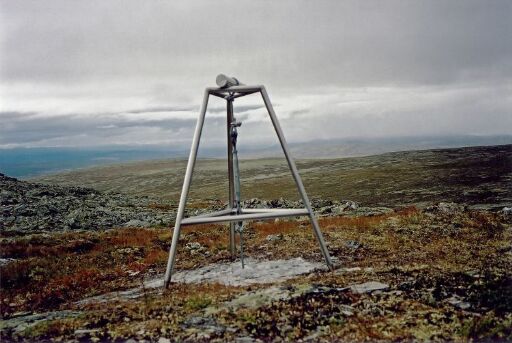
point(354, 147)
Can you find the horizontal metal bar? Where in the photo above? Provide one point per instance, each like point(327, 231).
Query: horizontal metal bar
point(244, 94)
point(223, 96)
point(242, 217)
point(234, 89)
point(215, 214)
point(272, 210)
point(220, 93)
point(227, 96)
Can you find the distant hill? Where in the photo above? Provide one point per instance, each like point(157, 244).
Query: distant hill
point(478, 176)
point(374, 146)
point(30, 162)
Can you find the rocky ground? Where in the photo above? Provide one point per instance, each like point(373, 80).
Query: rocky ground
point(423, 252)
point(34, 207)
point(438, 273)
point(29, 207)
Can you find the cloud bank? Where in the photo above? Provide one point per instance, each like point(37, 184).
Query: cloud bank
point(127, 72)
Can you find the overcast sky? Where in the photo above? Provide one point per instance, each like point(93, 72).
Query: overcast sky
point(87, 73)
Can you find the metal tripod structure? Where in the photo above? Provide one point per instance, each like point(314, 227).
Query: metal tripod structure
point(230, 89)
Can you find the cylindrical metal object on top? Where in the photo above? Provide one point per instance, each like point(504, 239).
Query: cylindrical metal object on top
point(224, 81)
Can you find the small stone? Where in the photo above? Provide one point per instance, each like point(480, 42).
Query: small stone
point(326, 210)
point(137, 223)
point(81, 333)
point(347, 310)
point(274, 238)
point(353, 245)
point(458, 303)
point(369, 287)
point(193, 246)
point(245, 339)
point(21, 314)
point(164, 340)
point(473, 273)
point(449, 207)
point(287, 328)
point(351, 205)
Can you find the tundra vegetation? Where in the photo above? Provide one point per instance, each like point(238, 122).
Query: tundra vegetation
point(434, 269)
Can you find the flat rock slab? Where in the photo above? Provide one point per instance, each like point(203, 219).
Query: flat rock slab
point(258, 298)
point(6, 261)
point(23, 322)
point(255, 272)
point(368, 287)
point(231, 274)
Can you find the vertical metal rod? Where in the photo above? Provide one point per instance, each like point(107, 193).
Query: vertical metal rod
point(232, 244)
point(184, 191)
point(236, 174)
point(296, 177)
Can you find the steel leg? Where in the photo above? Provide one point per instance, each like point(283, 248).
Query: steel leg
point(185, 190)
point(296, 177)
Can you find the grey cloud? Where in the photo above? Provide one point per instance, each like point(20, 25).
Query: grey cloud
point(163, 109)
point(60, 53)
point(300, 113)
point(292, 43)
point(29, 129)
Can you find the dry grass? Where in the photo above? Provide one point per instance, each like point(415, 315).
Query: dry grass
point(66, 266)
